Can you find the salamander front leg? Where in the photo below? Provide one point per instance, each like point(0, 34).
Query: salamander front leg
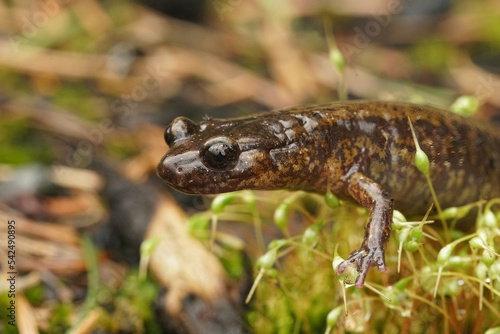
point(378, 229)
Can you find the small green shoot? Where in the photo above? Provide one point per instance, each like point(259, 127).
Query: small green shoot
point(332, 318)
point(147, 248)
point(422, 163)
point(337, 59)
point(265, 263)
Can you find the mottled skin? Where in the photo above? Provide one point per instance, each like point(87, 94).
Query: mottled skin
point(359, 150)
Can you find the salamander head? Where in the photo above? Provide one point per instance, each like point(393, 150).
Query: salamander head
point(218, 156)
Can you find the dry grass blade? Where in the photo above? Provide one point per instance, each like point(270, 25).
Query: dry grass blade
point(26, 318)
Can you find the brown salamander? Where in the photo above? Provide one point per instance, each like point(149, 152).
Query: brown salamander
point(359, 150)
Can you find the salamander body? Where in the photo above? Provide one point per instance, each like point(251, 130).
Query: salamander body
point(358, 150)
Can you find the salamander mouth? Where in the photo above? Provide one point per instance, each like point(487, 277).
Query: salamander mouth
point(186, 173)
point(188, 185)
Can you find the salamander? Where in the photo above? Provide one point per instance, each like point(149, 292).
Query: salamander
point(363, 151)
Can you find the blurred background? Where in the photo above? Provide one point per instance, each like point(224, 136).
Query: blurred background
point(87, 88)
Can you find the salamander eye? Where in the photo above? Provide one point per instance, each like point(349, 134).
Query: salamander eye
point(180, 128)
point(169, 138)
point(220, 153)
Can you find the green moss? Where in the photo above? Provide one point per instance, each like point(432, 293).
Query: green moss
point(55, 32)
point(433, 54)
point(489, 29)
point(232, 260)
point(22, 145)
point(121, 12)
point(13, 81)
point(77, 97)
point(35, 294)
point(5, 327)
point(299, 287)
point(132, 307)
point(59, 321)
point(121, 148)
